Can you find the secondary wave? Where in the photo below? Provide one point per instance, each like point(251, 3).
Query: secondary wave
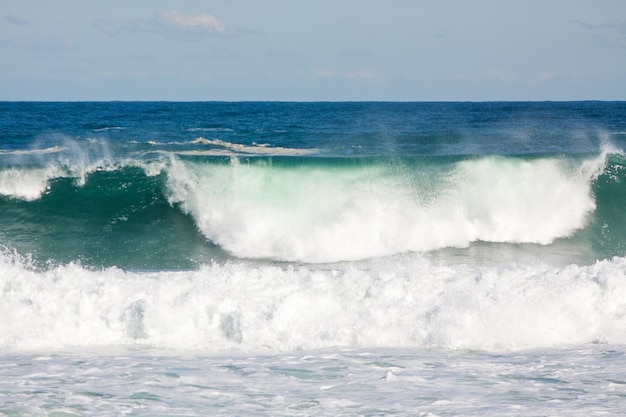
point(401, 301)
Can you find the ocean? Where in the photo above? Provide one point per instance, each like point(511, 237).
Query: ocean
point(301, 259)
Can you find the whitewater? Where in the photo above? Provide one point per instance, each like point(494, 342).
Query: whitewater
point(312, 259)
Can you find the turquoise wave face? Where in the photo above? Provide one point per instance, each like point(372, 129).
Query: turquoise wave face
point(118, 217)
point(608, 224)
point(178, 212)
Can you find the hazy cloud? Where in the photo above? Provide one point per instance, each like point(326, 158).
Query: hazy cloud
point(496, 74)
point(15, 20)
point(610, 33)
point(202, 22)
point(177, 24)
point(547, 76)
point(368, 74)
point(355, 52)
point(107, 27)
point(131, 74)
point(270, 52)
point(172, 24)
point(584, 25)
point(441, 32)
point(322, 73)
point(46, 45)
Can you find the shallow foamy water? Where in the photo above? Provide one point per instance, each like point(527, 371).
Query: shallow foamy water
point(581, 381)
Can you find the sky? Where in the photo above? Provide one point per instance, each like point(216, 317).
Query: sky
point(313, 50)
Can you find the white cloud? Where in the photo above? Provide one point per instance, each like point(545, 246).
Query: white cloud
point(199, 77)
point(547, 76)
point(499, 75)
point(323, 73)
point(368, 74)
point(204, 22)
point(174, 23)
point(106, 74)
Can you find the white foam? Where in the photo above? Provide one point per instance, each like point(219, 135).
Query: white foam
point(104, 129)
point(396, 302)
point(27, 183)
point(41, 151)
point(218, 147)
point(30, 183)
point(228, 148)
point(504, 200)
point(210, 129)
point(324, 215)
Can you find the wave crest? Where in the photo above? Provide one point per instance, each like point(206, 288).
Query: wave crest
point(315, 213)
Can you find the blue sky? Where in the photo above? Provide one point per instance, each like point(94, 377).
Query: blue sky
point(313, 50)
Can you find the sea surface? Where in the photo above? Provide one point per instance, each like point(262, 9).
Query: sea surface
point(299, 259)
